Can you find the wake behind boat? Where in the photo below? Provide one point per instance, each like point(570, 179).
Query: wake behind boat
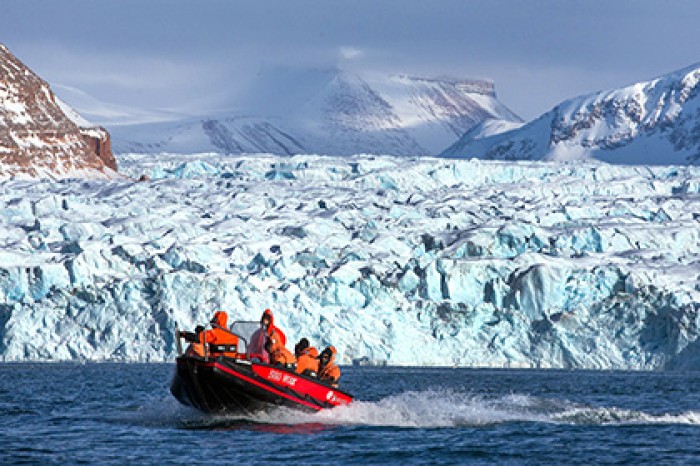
point(230, 378)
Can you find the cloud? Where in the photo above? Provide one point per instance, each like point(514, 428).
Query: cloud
point(350, 53)
point(191, 57)
point(108, 113)
point(145, 85)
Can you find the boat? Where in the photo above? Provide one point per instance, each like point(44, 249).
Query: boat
point(213, 381)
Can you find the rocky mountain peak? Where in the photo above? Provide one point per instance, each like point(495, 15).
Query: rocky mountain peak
point(650, 122)
point(37, 137)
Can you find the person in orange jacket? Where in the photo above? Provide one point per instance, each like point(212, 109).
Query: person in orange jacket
point(268, 342)
point(328, 371)
point(307, 358)
point(220, 340)
point(276, 342)
point(196, 347)
point(219, 337)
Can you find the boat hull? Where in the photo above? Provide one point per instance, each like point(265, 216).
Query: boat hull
point(231, 385)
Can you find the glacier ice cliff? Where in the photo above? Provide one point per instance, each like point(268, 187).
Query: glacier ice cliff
point(407, 261)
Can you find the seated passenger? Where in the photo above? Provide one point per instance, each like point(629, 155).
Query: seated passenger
point(307, 358)
point(328, 371)
point(279, 354)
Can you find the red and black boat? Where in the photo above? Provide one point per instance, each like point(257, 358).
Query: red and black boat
point(212, 380)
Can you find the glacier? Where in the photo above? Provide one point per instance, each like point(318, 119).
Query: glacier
point(394, 260)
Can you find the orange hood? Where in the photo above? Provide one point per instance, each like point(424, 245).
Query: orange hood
point(220, 318)
point(272, 321)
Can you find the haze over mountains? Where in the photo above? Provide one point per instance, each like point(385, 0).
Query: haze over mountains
point(340, 113)
point(333, 112)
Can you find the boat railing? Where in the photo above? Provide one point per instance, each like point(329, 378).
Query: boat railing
point(178, 342)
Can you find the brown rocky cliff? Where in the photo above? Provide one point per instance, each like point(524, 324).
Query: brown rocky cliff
point(99, 141)
point(37, 138)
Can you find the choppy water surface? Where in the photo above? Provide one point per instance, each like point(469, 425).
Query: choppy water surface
point(119, 413)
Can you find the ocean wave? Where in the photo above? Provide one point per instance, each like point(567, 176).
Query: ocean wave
point(435, 409)
point(414, 409)
point(616, 416)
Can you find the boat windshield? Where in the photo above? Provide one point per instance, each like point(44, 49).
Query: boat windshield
point(244, 330)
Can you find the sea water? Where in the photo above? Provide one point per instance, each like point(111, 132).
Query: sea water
point(124, 413)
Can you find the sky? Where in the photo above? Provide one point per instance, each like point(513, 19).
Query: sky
point(144, 60)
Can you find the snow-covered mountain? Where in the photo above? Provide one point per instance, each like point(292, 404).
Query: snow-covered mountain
point(653, 122)
point(287, 111)
point(401, 260)
point(40, 136)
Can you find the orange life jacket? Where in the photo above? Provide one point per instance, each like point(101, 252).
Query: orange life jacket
point(279, 354)
point(308, 361)
point(220, 340)
point(282, 355)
